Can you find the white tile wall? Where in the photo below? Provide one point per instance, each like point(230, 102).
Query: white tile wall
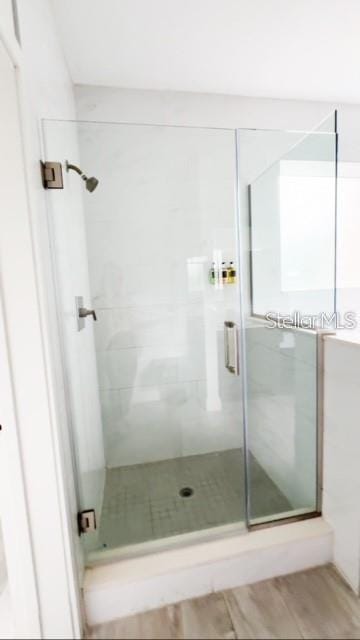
point(168, 419)
point(341, 505)
point(164, 205)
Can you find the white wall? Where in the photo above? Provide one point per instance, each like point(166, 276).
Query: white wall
point(114, 104)
point(341, 453)
point(3, 572)
point(46, 90)
point(50, 90)
point(3, 568)
point(6, 16)
point(6, 613)
point(348, 278)
point(260, 48)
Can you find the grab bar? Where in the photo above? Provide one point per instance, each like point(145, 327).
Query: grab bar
point(231, 347)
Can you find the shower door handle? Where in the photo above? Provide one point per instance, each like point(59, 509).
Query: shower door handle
point(231, 347)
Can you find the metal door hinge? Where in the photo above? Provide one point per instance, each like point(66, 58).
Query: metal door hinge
point(87, 521)
point(51, 174)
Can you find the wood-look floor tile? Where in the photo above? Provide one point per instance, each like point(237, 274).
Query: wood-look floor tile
point(323, 605)
point(311, 604)
point(205, 618)
point(259, 611)
point(122, 628)
point(160, 624)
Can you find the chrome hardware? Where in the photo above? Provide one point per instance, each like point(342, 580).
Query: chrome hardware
point(231, 347)
point(82, 313)
point(51, 174)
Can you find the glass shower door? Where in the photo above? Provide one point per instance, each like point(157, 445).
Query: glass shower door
point(154, 384)
point(287, 195)
point(156, 414)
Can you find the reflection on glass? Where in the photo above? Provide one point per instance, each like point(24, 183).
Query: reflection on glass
point(293, 230)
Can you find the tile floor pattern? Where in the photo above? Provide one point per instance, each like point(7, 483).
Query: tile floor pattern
point(142, 502)
point(311, 604)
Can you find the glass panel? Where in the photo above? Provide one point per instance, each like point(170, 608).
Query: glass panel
point(292, 217)
point(281, 420)
point(156, 415)
point(287, 226)
point(153, 385)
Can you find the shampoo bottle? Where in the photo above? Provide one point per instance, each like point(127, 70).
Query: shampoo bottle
point(231, 273)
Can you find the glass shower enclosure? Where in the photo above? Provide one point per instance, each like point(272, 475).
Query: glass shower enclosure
point(191, 414)
point(287, 192)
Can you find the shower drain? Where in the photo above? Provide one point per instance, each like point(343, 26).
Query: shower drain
point(186, 492)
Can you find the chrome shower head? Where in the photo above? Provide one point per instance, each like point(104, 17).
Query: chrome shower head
point(90, 183)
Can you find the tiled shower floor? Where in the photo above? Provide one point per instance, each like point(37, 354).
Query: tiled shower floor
point(142, 502)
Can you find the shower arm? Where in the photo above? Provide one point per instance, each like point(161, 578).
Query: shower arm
point(91, 183)
point(74, 168)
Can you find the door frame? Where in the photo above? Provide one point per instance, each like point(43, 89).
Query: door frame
point(40, 545)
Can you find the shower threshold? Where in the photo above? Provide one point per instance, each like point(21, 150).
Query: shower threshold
point(169, 498)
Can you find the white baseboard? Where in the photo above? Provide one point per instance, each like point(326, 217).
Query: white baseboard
point(130, 586)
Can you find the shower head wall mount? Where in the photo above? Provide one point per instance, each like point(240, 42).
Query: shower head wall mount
point(90, 183)
point(52, 177)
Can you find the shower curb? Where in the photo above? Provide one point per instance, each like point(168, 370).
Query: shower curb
point(140, 584)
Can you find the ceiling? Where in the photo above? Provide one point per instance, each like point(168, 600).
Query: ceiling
point(306, 49)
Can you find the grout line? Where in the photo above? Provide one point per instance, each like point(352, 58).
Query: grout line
point(277, 582)
point(232, 622)
point(224, 595)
